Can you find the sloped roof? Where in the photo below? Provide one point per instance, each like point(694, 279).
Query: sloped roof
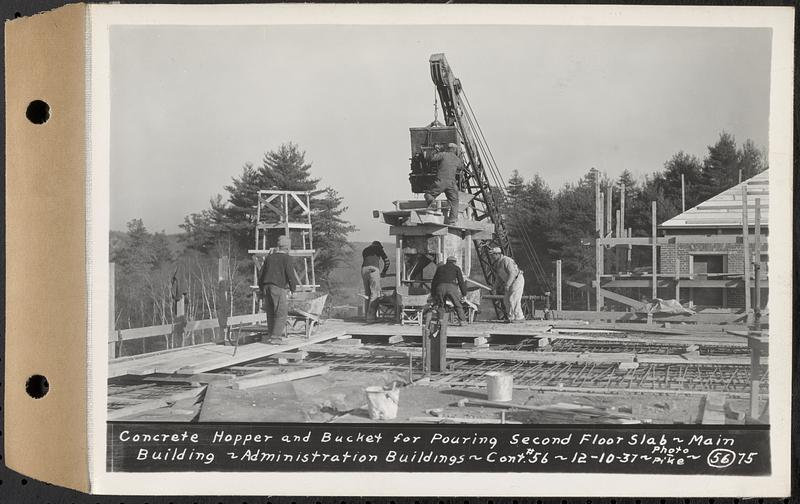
point(725, 209)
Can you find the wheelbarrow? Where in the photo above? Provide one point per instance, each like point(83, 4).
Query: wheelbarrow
point(307, 307)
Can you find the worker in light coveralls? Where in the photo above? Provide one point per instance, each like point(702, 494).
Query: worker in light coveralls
point(509, 280)
point(275, 280)
point(448, 165)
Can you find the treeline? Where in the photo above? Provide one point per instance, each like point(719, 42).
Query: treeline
point(561, 224)
point(154, 269)
point(209, 260)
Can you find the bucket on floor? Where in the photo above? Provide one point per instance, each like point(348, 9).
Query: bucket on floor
point(382, 403)
point(499, 386)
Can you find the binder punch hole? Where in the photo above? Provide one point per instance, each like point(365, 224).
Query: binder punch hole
point(37, 386)
point(38, 112)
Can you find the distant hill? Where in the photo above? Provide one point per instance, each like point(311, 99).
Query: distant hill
point(345, 281)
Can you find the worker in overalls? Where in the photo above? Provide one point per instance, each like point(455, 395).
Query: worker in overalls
point(448, 166)
point(448, 283)
point(275, 280)
point(509, 280)
point(375, 265)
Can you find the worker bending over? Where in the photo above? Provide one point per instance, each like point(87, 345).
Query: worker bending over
point(509, 280)
point(275, 280)
point(375, 264)
point(449, 164)
point(448, 283)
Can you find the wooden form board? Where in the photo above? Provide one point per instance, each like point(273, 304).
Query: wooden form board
point(210, 357)
point(554, 357)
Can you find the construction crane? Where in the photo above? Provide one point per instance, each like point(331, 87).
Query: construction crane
point(481, 177)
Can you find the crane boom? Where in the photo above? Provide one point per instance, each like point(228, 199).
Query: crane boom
point(475, 179)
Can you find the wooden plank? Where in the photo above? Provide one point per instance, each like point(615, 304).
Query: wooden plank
point(193, 378)
point(145, 332)
point(460, 420)
point(247, 319)
point(270, 378)
point(153, 404)
point(614, 296)
point(642, 328)
point(213, 357)
point(635, 241)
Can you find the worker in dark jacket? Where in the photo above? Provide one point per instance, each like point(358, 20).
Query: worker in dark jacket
point(275, 280)
point(375, 264)
point(448, 283)
point(449, 164)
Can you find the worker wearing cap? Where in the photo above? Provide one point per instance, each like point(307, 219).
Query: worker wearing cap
point(508, 278)
point(448, 283)
point(449, 164)
point(275, 280)
point(375, 264)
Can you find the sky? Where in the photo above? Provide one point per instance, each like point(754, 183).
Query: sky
point(190, 105)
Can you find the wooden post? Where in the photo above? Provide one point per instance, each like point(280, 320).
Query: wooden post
point(112, 313)
point(630, 250)
point(746, 248)
point(622, 209)
point(602, 211)
point(617, 249)
point(683, 193)
point(755, 376)
point(757, 262)
point(558, 286)
point(677, 279)
point(598, 215)
point(398, 276)
point(655, 252)
point(609, 206)
point(598, 225)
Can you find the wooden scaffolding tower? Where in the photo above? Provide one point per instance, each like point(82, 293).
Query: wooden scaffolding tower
point(286, 213)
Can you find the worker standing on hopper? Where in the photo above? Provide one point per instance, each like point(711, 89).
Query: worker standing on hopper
point(449, 164)
point(448, 283)
point(509, 280)
point(276, 278)
point(371, 272)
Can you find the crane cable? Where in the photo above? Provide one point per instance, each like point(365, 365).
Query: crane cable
point(497, 176)
point(527, 245)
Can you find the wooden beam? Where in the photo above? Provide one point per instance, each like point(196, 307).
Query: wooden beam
point(152, 404)
point(655, 251)
point(622, 210)
point(558, 286)
point(683, 193)
point(609, 207)
point(757, 261)
point(614, 296)
point(193, 378)
point(746, 265)
point(269, 377)
point(113, 337)
point(211, 357)
point(637, 241)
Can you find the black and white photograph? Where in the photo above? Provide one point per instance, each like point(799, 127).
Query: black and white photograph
point(457, 241)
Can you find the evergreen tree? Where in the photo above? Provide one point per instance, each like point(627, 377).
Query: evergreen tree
point(233, 221)
point(720, 167)
point(330, 234)
point(691, 168)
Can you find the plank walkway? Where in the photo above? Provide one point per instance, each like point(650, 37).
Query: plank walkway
point(204, 358)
